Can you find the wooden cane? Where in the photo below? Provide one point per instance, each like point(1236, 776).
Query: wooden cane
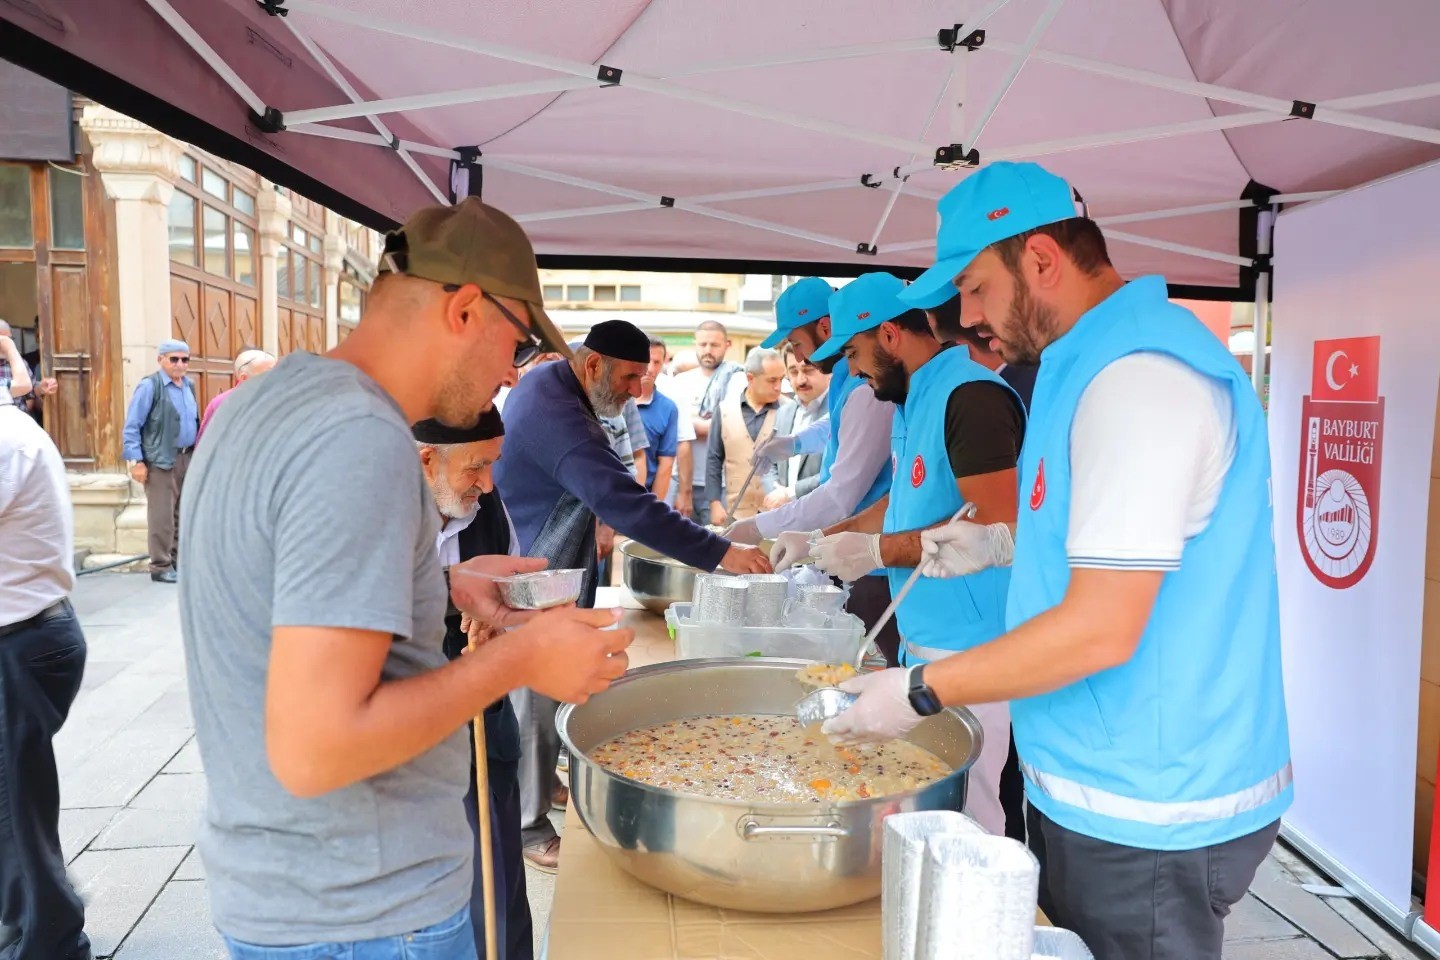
point(482, 805)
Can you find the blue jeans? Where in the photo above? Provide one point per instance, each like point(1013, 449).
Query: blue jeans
point(452, 939)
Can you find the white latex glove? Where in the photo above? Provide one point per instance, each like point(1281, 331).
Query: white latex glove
point(962, 547)
point(743, 531)
point(848, 556)
point(883, 711)
point(775, 449)
point(790, 548)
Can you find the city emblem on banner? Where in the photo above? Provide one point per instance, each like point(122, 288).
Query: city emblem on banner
point(1342, 425)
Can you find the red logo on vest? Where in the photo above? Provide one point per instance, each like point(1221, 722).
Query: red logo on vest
point(997, 214)
point(1037, 492)
point(917, 471)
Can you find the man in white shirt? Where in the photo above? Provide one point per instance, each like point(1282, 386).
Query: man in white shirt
point(42, 660)
point(1149, 715)
point(701, 391)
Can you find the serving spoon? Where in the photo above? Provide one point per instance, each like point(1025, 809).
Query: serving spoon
point(822, 704)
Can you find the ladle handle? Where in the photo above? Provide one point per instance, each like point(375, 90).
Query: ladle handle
point(967, 509)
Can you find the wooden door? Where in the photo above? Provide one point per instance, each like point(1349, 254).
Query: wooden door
point(70, 313)
point(212, 357)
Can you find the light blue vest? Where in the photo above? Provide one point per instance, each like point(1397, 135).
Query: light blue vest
point(939, 617)
point(842, 384)
point(1186, 745)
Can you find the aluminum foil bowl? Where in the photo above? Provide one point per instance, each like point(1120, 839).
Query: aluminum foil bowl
point(541, 590)
point(765, 857)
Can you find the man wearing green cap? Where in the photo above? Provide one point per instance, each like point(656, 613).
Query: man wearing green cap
point(330, 723)
point(1142, 658)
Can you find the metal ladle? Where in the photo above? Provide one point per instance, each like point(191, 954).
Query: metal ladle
point(822, 704)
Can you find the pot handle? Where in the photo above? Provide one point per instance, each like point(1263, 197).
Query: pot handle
point(750, 829)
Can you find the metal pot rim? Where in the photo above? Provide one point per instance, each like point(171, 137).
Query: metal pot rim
point(562, 726)
point(651, 555)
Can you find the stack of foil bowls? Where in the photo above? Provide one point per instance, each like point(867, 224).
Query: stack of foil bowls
point(719, 599)
point(765, 599)
point(826, 598)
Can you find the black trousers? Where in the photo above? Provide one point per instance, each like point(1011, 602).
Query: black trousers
point(1128, 903)
point(514, 933)
point(41, 666)
point(869, 596)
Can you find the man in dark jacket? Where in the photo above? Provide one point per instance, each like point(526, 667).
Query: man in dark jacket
point(457, 465)
point(161, 427)
point(557, 476)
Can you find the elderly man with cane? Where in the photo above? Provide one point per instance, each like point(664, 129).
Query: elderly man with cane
point(457, 464)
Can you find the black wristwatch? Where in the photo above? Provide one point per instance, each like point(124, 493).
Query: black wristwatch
point(922, 699)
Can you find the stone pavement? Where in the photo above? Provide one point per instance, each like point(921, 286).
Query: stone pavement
point(132, 790)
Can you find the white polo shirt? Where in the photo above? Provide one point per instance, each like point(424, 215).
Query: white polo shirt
point(1150, 446)
point(37, 528)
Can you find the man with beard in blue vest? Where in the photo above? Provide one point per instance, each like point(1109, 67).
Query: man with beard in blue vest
point(955, 439)
point(1142, 660)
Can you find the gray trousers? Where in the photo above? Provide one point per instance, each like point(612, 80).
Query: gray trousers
point(162, 512)
point(539, 752)
point(1132, 904)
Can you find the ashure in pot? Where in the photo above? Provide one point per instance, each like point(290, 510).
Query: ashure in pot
point(764, 857)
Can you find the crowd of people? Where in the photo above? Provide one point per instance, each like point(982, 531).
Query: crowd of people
point(976, 425)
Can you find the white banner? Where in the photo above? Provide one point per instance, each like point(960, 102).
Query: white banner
point(1355, 368)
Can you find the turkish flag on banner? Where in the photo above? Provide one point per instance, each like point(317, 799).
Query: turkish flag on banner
point(1347, 369)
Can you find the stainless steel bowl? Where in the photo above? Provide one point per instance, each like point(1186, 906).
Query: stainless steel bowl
point(655, 579)
point(770, 858)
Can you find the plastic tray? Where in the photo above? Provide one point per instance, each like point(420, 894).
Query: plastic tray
point(822, 644)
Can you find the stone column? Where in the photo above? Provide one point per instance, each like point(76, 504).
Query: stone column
point(138, 166)
point(273, 212)
point(334, 263)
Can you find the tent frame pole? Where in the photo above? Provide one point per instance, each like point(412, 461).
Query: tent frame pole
point(427, 101)
point(1022, 56)
point(631, 79)
point(1324, 113)
point(207, 53)
point(347, 88)
point(1260, 358)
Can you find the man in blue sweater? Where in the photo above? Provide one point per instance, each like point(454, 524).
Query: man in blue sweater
point(557, 474)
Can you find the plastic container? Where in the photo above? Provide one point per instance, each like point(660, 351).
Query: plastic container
point(835, 644)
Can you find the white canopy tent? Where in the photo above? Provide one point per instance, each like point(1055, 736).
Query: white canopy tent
point(785, 136)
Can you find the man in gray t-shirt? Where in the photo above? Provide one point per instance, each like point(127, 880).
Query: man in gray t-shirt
point(329, 723)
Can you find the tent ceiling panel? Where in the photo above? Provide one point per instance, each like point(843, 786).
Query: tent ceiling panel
point(759, 97)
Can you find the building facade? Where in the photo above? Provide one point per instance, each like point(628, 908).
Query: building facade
point(138, 238)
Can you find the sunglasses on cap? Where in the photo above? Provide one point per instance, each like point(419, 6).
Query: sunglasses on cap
point(398, 256)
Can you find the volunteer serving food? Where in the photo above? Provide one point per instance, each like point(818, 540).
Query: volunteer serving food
point(955, 439)
point(1142, 660)
point(854, 443)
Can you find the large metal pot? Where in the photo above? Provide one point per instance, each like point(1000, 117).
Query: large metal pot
point(771, 858)
point(655, 579)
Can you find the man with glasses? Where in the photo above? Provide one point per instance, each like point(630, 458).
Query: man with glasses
point(331, 725)
point(160, 431)
point(250, 363)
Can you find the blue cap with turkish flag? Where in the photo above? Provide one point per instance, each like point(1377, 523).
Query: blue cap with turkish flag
point(992, 204)
point(804, 301)
point(862, 304)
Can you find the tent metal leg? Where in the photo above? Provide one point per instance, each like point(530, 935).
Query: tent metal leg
point(1260, 359)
